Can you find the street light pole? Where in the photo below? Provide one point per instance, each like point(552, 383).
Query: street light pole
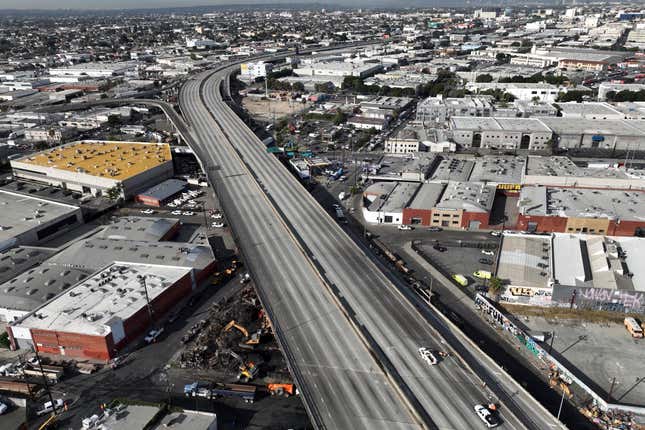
point(561, 403)
point(142, 282)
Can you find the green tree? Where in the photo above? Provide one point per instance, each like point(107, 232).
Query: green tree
point(494, 286)
point(114, 193)
point(484, 78)
point(298, 86)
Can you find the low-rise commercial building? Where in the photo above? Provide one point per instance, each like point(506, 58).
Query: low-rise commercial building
point(29, 220)
point(438, 110)
point(573, 270)
point(597, 134)
point(523, 91)
point(95, 167)
point(501, 133)
point(338, 68)
point(161, 193)
point(384, 202)
point(576, 210)
point(103, 313)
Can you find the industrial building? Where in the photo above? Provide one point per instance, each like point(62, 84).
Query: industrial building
point(438, 109)
point(574, 270)
point(589, 110)
point(338, 68)
point(384, 202)
point(523, 91)
point(94, 167)
point(606, 87)
point(594, 134)
point(582, 210)
point(409, 167)
point(160, 194)
point(94, 70)
point(28, 220)
point(501, 133)
point(465, 205)
point(252, 70)
point(101, 314)
point(559, 171)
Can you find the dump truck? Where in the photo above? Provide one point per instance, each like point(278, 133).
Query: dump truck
point(282, 389)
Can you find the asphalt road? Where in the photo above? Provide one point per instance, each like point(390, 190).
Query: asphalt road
point(343, 385)
point(447, 392)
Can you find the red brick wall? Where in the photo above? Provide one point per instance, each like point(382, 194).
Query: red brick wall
point(424, 214)
point(81, 346)
point(138, 323)
point(544, 223)
point(149, 201)
point(624, 228)
point(467, 217)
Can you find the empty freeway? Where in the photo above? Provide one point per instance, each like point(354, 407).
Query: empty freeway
point(350, 336)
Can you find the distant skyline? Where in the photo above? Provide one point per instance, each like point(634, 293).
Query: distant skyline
point(144, 4)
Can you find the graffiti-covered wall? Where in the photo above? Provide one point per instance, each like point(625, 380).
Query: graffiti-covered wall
point(600, 299)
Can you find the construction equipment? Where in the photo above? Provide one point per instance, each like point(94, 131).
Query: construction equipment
point(248, 371)
point(285, 390)
point(254, 339)
point(49, 422)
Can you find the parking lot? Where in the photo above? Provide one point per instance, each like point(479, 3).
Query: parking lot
point(600, 352)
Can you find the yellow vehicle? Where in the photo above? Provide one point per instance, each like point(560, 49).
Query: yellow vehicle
point(460, 279)
point(254, 339)
point(482, 274)
point(633, 328)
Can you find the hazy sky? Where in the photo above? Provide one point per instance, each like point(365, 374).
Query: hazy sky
point(119, 4)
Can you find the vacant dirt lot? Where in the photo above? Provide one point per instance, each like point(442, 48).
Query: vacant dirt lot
point(265, 109)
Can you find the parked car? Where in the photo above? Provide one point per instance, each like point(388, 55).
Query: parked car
point(3, 408)
point(217, 215)
point(439, 248)
point(218, 224)
point(188, 213)
point(486, 261)
point(175, 213)
point(435, 229)
point(488, 252)
point(496, 233)
point(153, 335)
point(405, 227)
point(147, 211)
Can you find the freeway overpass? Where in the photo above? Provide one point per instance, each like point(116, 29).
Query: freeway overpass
point(264, 202)
point(349, 335)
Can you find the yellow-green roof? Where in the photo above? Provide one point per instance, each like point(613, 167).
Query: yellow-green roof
point(113, 160)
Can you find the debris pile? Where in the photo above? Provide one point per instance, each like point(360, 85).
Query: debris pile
point(234, 329)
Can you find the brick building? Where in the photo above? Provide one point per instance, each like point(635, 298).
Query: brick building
point(103, 313)
point(582, 210)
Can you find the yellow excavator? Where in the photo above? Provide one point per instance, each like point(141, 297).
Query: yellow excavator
point(254, 339)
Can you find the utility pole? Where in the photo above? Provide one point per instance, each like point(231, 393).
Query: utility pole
point(611, 388)
point(142, 282)
point(46, 382)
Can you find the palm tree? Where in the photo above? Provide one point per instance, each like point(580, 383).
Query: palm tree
point(494, 286)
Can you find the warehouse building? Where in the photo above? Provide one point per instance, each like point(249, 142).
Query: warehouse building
point(439, 109)
point(160, 194)
point(103, 313)
point(594, 134)
point(558, 171)
point(501, 133)
point(94, 167)
point(465, 205)
point(582, 210)
point(384, 202)
point(574, 270)
point(589, 110)
point(338, 69)
point(28, 220)
point(149, 229)
point(522, 91)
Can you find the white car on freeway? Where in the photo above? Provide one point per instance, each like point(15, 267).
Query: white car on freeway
point(487, 416)
point(427, 356)
point(487, 252)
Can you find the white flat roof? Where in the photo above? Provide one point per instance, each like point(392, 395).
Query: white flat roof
point(21, 213)
point(114, 292)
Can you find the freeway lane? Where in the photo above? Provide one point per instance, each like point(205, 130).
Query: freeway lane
point(343, 385)
point(447, 392)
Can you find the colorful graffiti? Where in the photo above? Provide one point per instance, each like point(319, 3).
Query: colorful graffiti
point(629, 299)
